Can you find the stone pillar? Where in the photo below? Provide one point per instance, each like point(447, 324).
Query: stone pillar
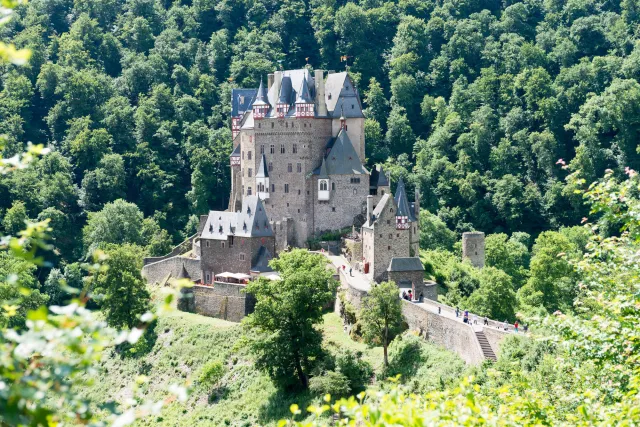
point(321, 104)
point(369, 207)
point(473, 248)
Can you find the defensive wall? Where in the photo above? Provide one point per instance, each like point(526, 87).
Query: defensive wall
point(178, 250)
point(159, 271)
point(223, 300)
point(442, 329)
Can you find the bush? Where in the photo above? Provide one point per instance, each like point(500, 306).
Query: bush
point(211, 373)
point(334, 383)
point(357, 371)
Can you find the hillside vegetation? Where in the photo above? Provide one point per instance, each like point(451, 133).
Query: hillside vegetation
point(244, 396)
point(474, 101)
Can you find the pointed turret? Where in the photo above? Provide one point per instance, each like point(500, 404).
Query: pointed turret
point(183, 273)
point(261, 103)
point(304, 102)
point(404, 215)
point(262, 179)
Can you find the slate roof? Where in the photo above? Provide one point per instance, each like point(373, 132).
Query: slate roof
point(263, 171)
point(378, 177)
point(404, 209)
point(251, 221)
point(342, 97)
point(236, 151)
point(405, 264)
point(293, 78)
point(261, 96)
point(286, 90)
point(262, 261)
point(342, 159)
point(242, 100)
point(382, 205)
point(304, 97)
point(183, 273)
point(323, 170)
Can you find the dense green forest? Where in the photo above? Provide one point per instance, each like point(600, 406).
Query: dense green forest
point(474, 101)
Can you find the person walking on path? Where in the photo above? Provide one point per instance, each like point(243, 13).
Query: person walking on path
point(404, 294)
point(440, 311)
point(515, 326)
point(350, 271)
point(486, 321)
point(410, 295)
point(457, 312)
point(525, 328)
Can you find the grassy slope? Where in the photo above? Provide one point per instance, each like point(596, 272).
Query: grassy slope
point(244, 397)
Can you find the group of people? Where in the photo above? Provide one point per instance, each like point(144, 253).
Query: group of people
point(470, 318)
point(409, 296)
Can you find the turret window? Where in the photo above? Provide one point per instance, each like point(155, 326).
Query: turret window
point(323, 186)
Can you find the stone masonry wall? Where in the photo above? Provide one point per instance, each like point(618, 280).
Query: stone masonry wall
point(223, 301)
point(346, 201)
point(388, 242)
point(158, 271)
point(449, 333)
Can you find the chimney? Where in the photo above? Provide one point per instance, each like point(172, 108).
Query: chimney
point(369, 207)
point(277, 81)
point(416, 209)
point(269, 81)
point(321, 104)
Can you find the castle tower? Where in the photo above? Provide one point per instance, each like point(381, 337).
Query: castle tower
point(473, 248)
point(304, 103)
point(323, 182)
point(261, 104)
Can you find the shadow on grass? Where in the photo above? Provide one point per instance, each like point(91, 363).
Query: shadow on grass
point(218, 394)
point(144, 345)
point(277, 407)
point(405, 360)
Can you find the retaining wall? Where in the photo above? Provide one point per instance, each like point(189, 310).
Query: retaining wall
point(223, 300)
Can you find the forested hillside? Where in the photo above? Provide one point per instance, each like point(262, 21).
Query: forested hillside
point(474, 100)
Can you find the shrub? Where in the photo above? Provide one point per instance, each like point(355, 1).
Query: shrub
point(211, 373)
point(334, 383)
point(357, 371)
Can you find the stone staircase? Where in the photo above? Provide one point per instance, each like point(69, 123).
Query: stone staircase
point(486, 348)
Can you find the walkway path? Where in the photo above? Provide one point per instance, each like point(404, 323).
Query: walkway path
point(361, 282)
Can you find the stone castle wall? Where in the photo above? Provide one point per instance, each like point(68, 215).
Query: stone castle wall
point(388, 242)
point(223, 300)
point(158, 271)
point(217, 259)
point(449, 333)
point(177, 250)
point(346, 201)
point(473, 248)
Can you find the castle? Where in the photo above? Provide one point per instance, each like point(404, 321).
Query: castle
point(297, 170)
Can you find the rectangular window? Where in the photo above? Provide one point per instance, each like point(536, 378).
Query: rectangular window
point(286, 188)
point(248, 191)
point(355, 180)
point(390, 236)
point(290, 167)
point(243, 155)
point(250, 172)
point(273, 188)
point(295, 148)
point(230, 241)
point(270, 167)
point(299, 167)
point(248, 155)
point(241, 257)
point(262, 149)
point(272, 148)
point(222, 245)
point(207, 243)
point(333, 209)
point(281, 148)
point(208, 278)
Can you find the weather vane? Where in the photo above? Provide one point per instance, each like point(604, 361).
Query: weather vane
point(345, 59)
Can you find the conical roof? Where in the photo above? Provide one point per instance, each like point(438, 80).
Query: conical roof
point(285, 91)
point(323, 170)
point(263, 171)
point(183, 273)
point(304, 97)
point(261, 96)
point(401, 200)
point(378, 177)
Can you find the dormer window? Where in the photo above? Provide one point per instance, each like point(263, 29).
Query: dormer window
point(220, 229)
point(210, 228)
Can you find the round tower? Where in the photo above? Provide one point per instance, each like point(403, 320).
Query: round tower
point(473, 248)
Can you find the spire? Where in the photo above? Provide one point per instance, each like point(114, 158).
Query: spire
point(304, 97)
point(323, 170)
point(263, 171)
point(261, 96)
point(401, 200)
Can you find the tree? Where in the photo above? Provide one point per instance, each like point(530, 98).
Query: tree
point(495, 298)
point(19, 291)
point(123, 295)
point(434, 233)
point(282, 329)
point(509, 255)
point(381, 316)
point(118, 222)
point(15, 218)
point(377, 105)
point(400, 137)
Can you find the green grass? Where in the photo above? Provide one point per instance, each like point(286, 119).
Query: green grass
point(185, 343)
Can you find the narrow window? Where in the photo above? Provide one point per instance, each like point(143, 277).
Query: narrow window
point(270, 166)
point(299, 167)
point(241, 257)
point(243, 155)
point(282, 149)
point(272, 148)
point(207, 243)
point(333, 186)
point(262, 149)
point(248, 191)
point(289, 167)
point(272, 125)
point(286, 189)
point(333, 209)
point(295, 148)
point(273, 188)
point(223, 245)
point(250, 172)
point(248, 155)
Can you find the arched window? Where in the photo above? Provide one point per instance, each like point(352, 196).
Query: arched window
point(323, 186)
